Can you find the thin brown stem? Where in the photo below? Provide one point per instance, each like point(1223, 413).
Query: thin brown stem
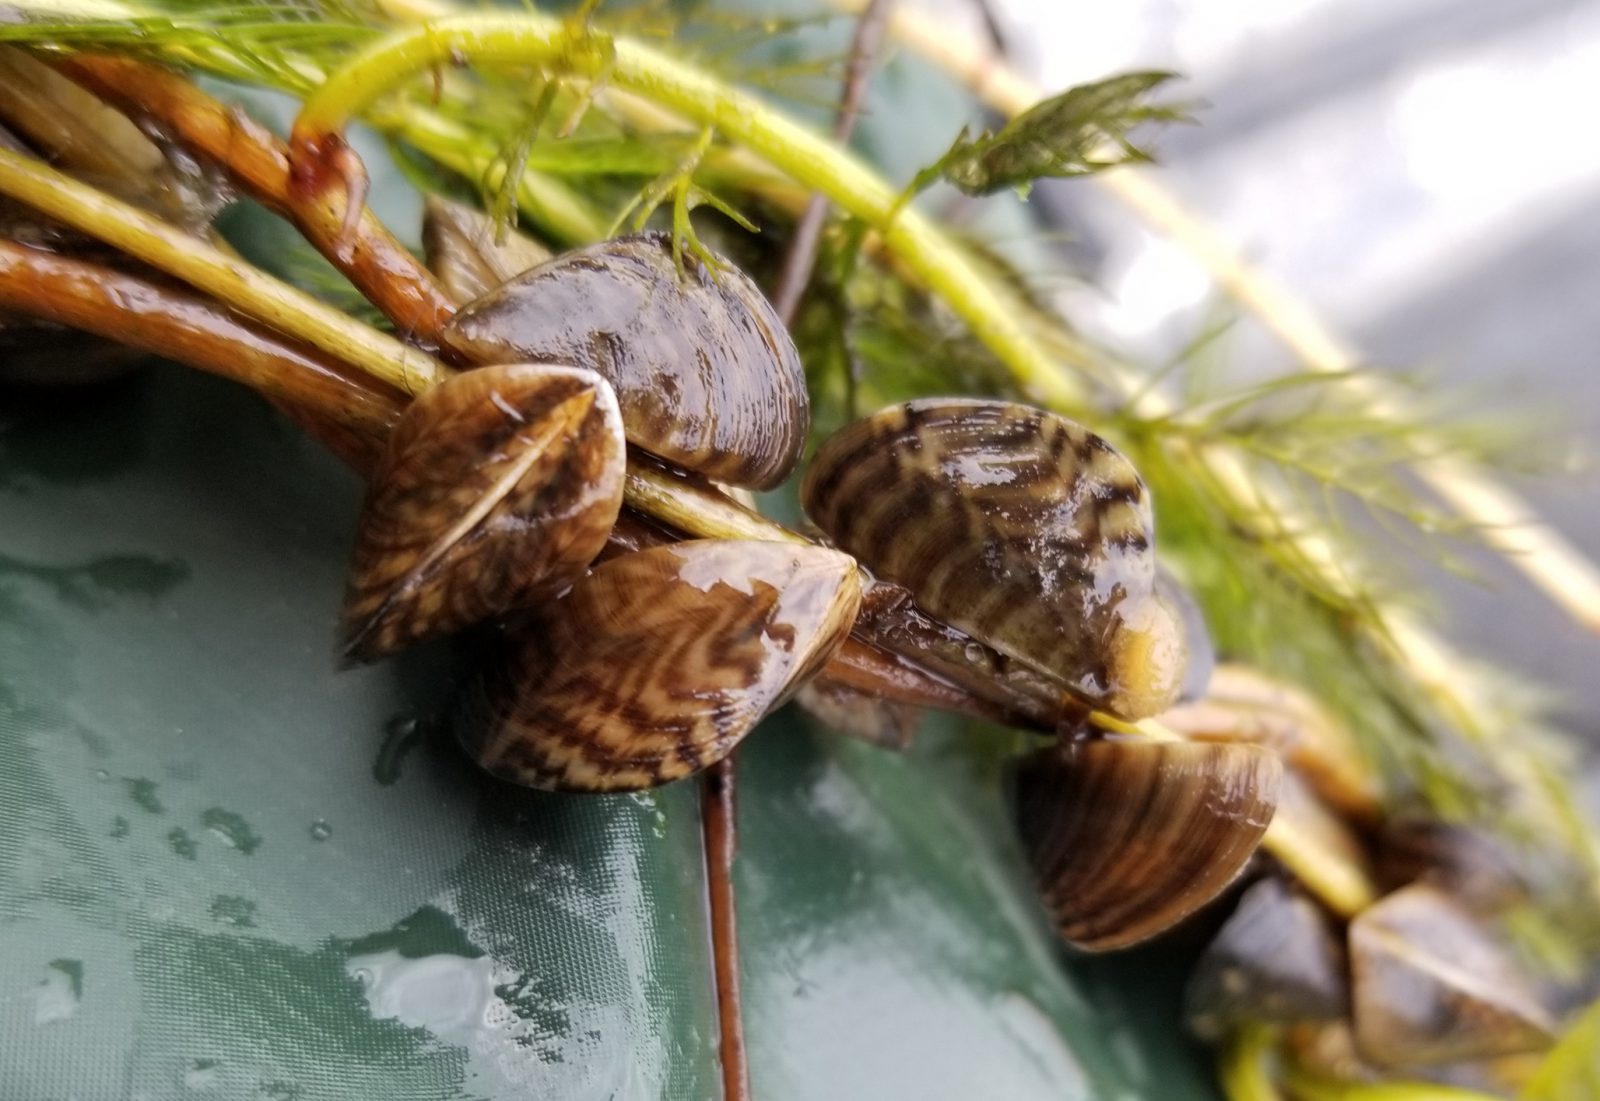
point(258, 163)
point(173, 322)
point(795, 274)
point(717, 810)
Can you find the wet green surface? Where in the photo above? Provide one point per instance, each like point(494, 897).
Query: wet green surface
point(227, 870)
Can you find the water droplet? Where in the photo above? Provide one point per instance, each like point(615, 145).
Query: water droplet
point(320, 830)
point(201, 1074)
point(102, 775)
point(56, 996)
point(401, 734)
point(231, 829)
point(974, 653)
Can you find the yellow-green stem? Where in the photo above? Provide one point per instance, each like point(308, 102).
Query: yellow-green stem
point(204, 267)
point(1309, 1087)
point(1244, 1067)
point(533, 39)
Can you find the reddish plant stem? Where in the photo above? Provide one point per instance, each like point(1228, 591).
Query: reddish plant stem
point(717, 809)
point(346, 232)
point(176, 323)
point(795, 274)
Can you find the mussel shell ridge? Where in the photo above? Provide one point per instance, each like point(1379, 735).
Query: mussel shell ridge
point(658, 663)
point(497, 489)
point(1016, 526)
point(705, 373)
point(1127, 838)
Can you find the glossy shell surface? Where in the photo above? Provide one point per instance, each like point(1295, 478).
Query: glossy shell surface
point(1016, 526)
point(1127, 838)
point(1429, 985)
point(496, 490)
point(658, 663)
point(705, 373)
point(1274, 960)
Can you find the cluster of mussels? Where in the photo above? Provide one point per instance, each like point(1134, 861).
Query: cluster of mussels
point(980, 556)
point(976, 556)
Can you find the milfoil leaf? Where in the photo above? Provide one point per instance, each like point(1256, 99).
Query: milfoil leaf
point(1085, 129)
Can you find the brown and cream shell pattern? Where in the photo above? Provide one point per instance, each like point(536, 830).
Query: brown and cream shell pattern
point(1020, 528)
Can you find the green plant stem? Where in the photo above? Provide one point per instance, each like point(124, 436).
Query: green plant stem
point(534, 39)
point(225, 278)
point(1309, 1087)
point(1244, 1065)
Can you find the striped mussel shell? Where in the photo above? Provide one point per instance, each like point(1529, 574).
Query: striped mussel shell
point(705, 373)
point(496, 490)
point(658, 663)
point(1430, 985)
point(1016, 526)
point(1275, 960)
point(1128, 838)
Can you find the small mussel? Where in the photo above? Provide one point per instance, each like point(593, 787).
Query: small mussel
point(705, 373)
point(1275, 960)
point(1429, 985)
point(470, 254)
point(496, 490)
point(1127, 838)
point(1016, 526)
point(658, 663)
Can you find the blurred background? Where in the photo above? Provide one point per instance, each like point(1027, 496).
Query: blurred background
point(1423, 174)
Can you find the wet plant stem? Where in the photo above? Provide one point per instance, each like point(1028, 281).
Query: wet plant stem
point(810, 159)
point(258, 162)
point(225, 278)
point(175, 323)
point(718, 808)
point(795, 273)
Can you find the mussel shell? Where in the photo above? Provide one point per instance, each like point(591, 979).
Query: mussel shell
point(497, 489)
point(469, 253)
point(1469, 864)
point(846, 710)
point(705, 373)
point(1200, 653)
point(1127, 838)
point(1429, 985)
point(658, 663)
point(1022, 529)
point(1274, 960)
point(1244, 704)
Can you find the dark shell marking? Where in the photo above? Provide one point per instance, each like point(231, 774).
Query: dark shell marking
point(705, 373)
point(1127, 838)
point(1016, 526)
point(658, 663)
point(496, 490)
